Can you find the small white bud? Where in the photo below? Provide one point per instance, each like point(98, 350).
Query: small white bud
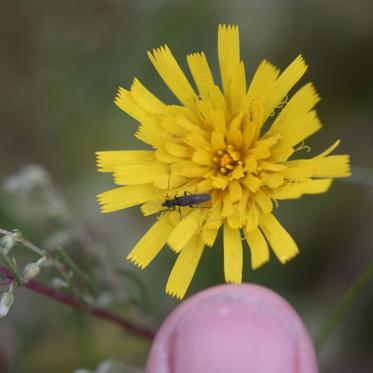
point(104, 299)
point(6, 243)
point(6, 302)
point(30, 271)
point(17, 234)
point(58, 283)
point(111, 366)
point(43, 262)
point(88, 299)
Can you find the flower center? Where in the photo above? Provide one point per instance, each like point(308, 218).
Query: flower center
point(227, 160)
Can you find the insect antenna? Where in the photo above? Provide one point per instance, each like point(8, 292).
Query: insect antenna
point(168, 184)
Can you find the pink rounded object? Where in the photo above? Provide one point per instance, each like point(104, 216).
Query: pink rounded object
point(233, 329)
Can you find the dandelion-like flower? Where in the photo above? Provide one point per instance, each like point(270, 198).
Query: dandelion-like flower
point(227, 143)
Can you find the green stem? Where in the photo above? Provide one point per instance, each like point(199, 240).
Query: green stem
point(144, 302)
point(11, 267)
point(344, 303)
point(76, 270)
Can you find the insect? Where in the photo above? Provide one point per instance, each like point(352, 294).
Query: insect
point(188, 199)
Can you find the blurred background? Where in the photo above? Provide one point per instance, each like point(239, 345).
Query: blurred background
point(60, 66)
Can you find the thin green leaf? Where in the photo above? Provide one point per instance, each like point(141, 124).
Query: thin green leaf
point(11, 267)
point(76, 270)
point(142, 296)
point(344, 303)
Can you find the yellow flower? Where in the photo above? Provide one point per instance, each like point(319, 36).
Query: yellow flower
point(225, 142)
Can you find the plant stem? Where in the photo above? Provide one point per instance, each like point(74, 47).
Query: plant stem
point(346, 300)
point(26, 243)
point(75, 303)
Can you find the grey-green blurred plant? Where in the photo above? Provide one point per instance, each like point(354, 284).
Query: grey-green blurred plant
point(93, 289)
point(346, 301)
point(110, 366)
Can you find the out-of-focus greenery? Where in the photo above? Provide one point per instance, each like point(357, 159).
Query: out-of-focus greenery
point(60, 66)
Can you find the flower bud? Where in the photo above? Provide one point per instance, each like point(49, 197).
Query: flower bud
point(43, 262)
point(17, 234)
point(58, 283)
point(6, 302)
point(30, 271)
point(6, 243)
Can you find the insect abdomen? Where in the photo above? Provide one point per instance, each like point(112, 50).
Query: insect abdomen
point(193, 199)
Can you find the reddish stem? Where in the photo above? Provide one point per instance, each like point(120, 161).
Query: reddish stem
point(75, 303)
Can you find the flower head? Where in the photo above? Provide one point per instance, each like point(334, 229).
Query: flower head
point(226, 142)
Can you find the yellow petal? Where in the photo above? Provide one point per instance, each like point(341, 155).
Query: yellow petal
point(264, 202)
point(233, 255)
point(235, 191)
point(252, 182)
point(124, 100)
point(178, 150)
point(145, 99)
point(234, 135)
point(301, 103)
point(151, 243)
point(282, 154)
point(249, 134)
point(172, 129)
point(263, 81)
point(235, 219)
point(141, 173)
point(188, 169)
point(184, 113)
point(252, 218)
point(280, 240)
point(107, 161)
point(196, 140)
point(209, 236)
point(184, 231)
point(218, 120)
point(202, 157)
point(124, 197)
point(169, 182)
point(153, 206)
point(301, 128)
point(165, 157)
point(184, 268)
point(238, 173)
point(217, 140)
point(201, 73)
point(288, 78)
point(273, 180)
point(227, 209)
point(333, 166)
point(261, 150)
point(296, 190)
point(171, 73)
point(250, 163)
point(243, 205)
point(271, 166)
point(231, 68)
point(320, 166)
point(220, 181)
point(213, 220)
point(150, 133)
point(258, 248)
point(204, 186)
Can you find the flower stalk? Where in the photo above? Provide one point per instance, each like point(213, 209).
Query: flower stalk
point(75, 303)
